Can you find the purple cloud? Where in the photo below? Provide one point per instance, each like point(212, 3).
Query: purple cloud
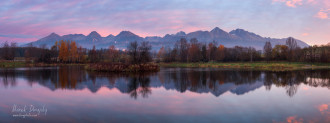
point(270, 18)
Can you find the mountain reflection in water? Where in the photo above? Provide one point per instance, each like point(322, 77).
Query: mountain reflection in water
point(201, 80)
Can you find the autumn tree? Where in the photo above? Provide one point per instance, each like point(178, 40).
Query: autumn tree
point(81, 54)
point(325, 53)
point(279, 52)
point(63, 51)
point(73, 52)
point(268, 51)
point(171, 55)
point(220, 53)
point(113, 53)
point(68, 51)
point(194, 54)
point(211, 51)
point(161, 54)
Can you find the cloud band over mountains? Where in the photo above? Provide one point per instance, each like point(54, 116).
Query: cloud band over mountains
point(270, 18)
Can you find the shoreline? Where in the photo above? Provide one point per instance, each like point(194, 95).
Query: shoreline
point(269, 66)
point(119, 67)
point(20, 64)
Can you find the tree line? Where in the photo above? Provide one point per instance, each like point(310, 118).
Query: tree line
point(194, 51)
point(183, 51)
point(293, 53)
point(70, 52)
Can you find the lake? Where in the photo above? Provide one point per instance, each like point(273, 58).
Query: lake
point(71, 94)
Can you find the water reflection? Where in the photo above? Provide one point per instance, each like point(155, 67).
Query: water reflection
point(213, 81)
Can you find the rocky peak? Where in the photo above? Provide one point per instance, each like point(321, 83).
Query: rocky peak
point(126, 33)
point(217, 30)
point(181, 33)
point(245, 34)
point(53, 35)
point(94, 34)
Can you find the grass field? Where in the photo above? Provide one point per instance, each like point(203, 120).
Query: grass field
point(11, 64)
point(251, 65)
point(17, 64)
point(236, 65)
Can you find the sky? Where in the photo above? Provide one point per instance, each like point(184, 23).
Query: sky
point(28, 20)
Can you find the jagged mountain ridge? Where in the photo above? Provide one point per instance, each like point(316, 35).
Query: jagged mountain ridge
point(237, 37)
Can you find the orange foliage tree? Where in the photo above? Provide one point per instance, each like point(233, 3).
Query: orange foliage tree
point(161, 54)
point(68, 51)
point(194, 52)
point(73, 52)
point(220, 53)
point(63, 51)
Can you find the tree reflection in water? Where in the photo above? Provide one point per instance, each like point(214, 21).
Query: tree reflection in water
point(139, 84)
point(202, 80)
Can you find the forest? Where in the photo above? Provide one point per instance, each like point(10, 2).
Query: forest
point(183, 51)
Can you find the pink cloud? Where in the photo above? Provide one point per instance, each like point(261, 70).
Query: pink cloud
point(305, 88)
point(305, 34)
point(40, 18)
point(293, 119)
point(322, 5)
point(323, 108)
point(323, 14)
point(293, 3)
point(311, 1)
point(290, 3)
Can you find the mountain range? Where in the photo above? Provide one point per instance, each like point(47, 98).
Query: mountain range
point(237, 37)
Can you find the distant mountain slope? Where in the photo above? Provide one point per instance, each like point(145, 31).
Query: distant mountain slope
point(238, 37)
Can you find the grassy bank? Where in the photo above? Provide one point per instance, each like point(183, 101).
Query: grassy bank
point(274, 66)
point(18, 64)
point(251, 65)
point(12, 64)
point(109, 67)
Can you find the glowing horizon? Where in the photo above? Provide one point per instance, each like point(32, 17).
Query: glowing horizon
point(25, 21)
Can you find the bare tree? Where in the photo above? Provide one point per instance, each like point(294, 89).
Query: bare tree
point(144, 52)
point(268, 51)
point(113, 53)
point(292, 46)
point(93, 55)
point(133, 51)
point(8, 51)
point(183, 49)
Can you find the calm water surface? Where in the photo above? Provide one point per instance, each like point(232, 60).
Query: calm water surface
point(71, 94)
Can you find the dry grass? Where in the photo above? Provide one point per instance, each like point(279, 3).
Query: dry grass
point(251, 65)
point(118, 67)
